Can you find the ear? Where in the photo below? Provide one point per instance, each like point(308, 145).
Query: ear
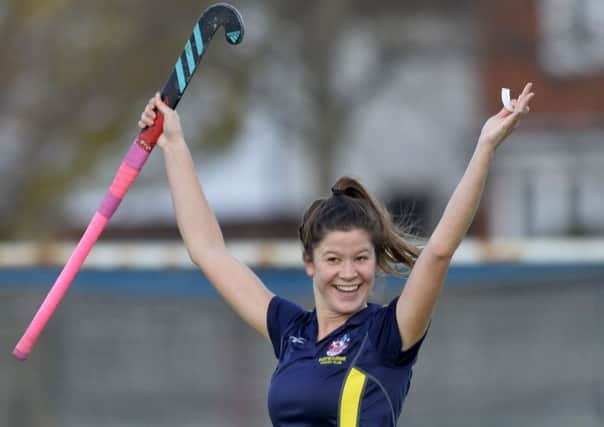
point(309, 266)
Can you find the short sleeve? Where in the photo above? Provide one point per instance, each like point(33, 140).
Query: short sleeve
point(387, 337)
point(281, 313)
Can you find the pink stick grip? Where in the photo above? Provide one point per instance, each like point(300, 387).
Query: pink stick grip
point(123, 180)
point(52, 300)
point(136, 156)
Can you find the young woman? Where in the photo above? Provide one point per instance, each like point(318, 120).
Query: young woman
point(348, 362)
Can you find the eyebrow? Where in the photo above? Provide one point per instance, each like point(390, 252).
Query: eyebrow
point(334, 252)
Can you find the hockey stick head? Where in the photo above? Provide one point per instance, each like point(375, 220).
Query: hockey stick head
point(214, 17)
point(223, 15)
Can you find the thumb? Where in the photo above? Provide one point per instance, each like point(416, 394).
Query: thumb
point(511, 121)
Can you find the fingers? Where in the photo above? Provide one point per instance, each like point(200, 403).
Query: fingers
point(160, 105)
point(521, 107)
point(148, 115)
point(527, 89)
point(522, 104)
point(528, 98)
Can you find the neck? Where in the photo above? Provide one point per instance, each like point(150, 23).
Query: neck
point(329, 321)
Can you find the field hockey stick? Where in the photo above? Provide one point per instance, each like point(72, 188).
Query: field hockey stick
point(216, 16)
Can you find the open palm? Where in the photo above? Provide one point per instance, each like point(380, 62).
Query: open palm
point(499, 126)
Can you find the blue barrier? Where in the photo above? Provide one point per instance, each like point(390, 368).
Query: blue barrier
point(290, 281)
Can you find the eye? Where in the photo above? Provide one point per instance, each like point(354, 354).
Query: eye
point(362, 258)
point(332, 260)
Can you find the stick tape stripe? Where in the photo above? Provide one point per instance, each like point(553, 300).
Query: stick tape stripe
point(190, 57)
point(198, 40)
point(180, 75)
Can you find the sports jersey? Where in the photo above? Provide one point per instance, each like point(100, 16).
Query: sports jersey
point(355, 376)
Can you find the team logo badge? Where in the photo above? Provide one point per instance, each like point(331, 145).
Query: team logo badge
point(338, 346)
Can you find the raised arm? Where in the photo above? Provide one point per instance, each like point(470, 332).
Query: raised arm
point(427, 277)
point(198, 226)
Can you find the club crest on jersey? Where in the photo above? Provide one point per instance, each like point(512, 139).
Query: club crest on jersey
point(338, 346)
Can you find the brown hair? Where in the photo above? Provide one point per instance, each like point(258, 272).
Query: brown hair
point(352, 207)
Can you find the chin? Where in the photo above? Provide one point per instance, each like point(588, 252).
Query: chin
point(351, 306)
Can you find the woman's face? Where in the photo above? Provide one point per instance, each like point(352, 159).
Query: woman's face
point(343, 270)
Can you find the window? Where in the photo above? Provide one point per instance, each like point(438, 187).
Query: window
point(571, 37)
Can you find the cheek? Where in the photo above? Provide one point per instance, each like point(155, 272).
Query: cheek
point(369, 271)
point(320, 273)
point(324, 275)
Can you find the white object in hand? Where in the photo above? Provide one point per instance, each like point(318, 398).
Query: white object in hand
point(505, 98)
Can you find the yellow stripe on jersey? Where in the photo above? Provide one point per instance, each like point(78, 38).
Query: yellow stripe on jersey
point(350, 402)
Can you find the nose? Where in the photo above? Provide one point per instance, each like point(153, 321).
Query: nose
point(348, 270)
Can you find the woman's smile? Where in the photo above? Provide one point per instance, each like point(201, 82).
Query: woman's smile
point(348, 289)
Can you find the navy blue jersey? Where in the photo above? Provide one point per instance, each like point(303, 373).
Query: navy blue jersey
point(356, 376)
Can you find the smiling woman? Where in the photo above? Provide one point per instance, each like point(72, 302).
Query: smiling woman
point(348, 362)
point(348, 354)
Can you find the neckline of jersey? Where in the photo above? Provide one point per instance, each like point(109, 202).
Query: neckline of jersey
point(355, 320)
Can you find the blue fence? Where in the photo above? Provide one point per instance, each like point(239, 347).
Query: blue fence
point(290, 281)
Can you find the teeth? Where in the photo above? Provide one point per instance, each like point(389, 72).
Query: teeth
point(347, 288)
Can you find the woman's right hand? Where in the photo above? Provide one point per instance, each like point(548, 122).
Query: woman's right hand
point(172, 129)
point(498, 127)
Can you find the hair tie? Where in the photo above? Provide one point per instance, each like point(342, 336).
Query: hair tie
point(337, 191)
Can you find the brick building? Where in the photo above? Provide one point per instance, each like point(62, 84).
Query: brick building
point(548, 182)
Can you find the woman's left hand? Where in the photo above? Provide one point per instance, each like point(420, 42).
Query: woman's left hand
point(498, 127)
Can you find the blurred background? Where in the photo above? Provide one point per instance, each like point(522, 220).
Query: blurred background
point(391, 92)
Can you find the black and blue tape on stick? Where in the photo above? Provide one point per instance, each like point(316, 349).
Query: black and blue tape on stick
point(216, 16)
